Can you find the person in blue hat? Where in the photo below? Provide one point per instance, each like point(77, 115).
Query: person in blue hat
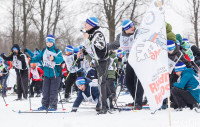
point(125, 41)
point(3, 77)
point(20, 63)
point(88, 91)
point(186, 91)
point(72, 61)
point(97, 46)
point(51, 58)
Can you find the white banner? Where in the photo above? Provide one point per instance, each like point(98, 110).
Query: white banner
point(149, 56)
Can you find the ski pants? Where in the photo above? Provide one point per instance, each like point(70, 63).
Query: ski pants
point(68, 83)
point(134, 85)
point(3, 80)
point(22, 83)
point(102, 72)
point(182, 98)
point(50, 92)
point(37, 85)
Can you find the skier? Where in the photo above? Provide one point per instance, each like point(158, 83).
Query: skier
point(52, 58)
point(3, 77)
point(125, 40)
point(72, 62)
point(97, 46)
point(21, 67)
point(87, 91)
point(186, 91)
point(36, 74)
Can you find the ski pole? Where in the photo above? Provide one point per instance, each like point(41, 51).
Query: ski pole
point(53, 69)
point(3, 93)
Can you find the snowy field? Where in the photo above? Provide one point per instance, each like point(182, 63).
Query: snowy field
point(88, 117)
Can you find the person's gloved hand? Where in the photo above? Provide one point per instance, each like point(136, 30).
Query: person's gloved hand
point(2, 54)
point(14, 53)
point(73, 110)
point(84, 51)
point(36, 49)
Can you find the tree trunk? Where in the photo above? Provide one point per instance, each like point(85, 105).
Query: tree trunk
point(13, 31)
point(24, 24)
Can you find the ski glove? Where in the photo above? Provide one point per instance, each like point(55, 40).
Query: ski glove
point(84, 51)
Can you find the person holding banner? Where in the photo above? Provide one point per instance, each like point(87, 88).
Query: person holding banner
point(186, 91)
point(125, 41)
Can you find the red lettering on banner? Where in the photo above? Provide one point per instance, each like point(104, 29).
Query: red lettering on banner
point(155, 87)
point(154, 54)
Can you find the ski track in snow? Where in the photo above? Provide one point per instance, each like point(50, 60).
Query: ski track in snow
point(89, 117)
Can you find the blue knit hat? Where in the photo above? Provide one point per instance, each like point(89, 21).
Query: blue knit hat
point(69, 48)
point(35, 52)
point(92, 21)
point(180, 67)
point(80, 81)
point(178, 43)
point(127, 24)
point(80, 46)
point(50, 38)
point(76, 50)
point(170, 45)
point(119, 53)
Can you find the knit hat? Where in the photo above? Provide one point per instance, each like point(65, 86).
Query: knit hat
point(92, 21)
point(185, 43)
point(76, 50)
point(80, 46)
point(69, 48)
point(119, 53)
point(127, 24)
point(180, 67)
point(80, 81)
point(170, 45)
point(50, 38)
point(35, 53)
point(178, 43)
point(179, 37)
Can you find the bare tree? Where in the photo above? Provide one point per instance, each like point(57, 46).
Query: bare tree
point(195, 17)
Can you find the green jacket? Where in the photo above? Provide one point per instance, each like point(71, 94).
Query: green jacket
point(111, 69)
point(170, 34)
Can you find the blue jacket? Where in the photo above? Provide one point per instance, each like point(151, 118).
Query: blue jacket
point(32, 55)
point(94, 91)
point(49, 72)
point(189, 81)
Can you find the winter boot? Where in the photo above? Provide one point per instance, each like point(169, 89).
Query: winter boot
point(42, 108)
point(31, 95)
point(137, 107)
point(102, 111)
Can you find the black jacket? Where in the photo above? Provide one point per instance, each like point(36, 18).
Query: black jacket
point(20, 56)
point(196, 52)
point(175, 56)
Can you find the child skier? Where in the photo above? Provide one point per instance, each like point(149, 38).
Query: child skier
point(21, 67)
point(52, 58)
point(186, 91)
point(3, 75)
point(87, 91)
point(36, 74)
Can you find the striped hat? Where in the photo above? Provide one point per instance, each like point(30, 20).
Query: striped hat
point(127, 24)
point(119, 53)
point(92, 21)
point(50, 38)
point(180, 67)
point(170, 45)
point(185, 43)
point(69, 48)
point(80, 81)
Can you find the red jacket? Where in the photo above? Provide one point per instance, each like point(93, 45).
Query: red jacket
point(38, 75)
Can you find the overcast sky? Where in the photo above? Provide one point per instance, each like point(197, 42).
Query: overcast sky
point(178, 23)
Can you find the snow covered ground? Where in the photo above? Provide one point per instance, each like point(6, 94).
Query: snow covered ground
point(89, 118)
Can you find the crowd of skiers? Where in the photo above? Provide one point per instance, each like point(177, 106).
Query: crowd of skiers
point(97, 68)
